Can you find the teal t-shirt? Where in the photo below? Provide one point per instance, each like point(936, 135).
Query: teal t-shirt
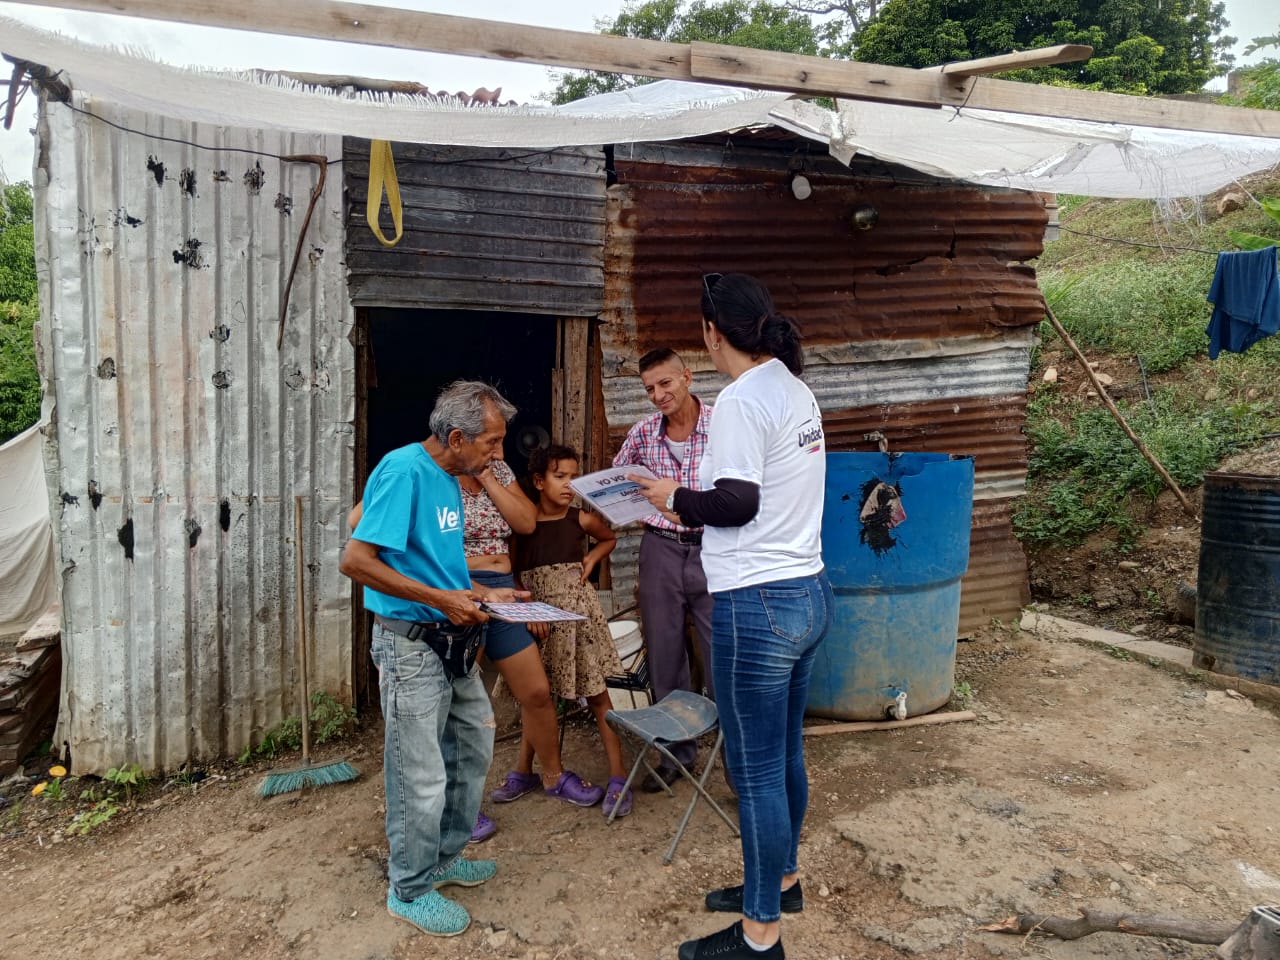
point(413, 514)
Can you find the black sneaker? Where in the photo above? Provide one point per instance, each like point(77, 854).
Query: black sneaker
point(729, 899)
point(728, 944)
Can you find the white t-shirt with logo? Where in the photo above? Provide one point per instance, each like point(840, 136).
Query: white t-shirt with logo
point(767, 429)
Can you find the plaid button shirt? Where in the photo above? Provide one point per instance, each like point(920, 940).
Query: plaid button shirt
point(646, 445)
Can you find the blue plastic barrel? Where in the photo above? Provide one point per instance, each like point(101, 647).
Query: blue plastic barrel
point(897, 585)
point(1238, 586)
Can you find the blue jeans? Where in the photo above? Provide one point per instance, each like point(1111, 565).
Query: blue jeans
point(763, 640)
point(436, 753)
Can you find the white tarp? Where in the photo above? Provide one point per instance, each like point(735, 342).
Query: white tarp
point(671, 111)
point(28, 583)
point(1021, 151)
point(1049, 154)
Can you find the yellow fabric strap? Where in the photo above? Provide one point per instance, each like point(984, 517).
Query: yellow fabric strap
point(382, 173)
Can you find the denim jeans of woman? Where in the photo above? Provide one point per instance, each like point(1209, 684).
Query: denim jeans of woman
point(436, 753)
point(763, 641)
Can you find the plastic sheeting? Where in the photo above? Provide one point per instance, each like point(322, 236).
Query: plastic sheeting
point(1049, 154)
point(675, 110)
point(28, 582)
point(992, 148)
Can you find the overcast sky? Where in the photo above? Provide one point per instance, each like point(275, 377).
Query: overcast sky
point(178, 44)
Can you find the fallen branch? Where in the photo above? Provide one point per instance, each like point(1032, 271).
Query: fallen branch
point(1094, 921)
point(861, 725)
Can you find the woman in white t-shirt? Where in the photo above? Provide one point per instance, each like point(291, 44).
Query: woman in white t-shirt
point(763, 475)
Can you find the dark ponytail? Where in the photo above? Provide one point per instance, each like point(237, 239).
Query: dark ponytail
point(742, 310)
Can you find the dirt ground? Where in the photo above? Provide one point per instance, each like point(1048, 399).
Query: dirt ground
point(1089, 779)
point(1136, 590)
point(1085, 781)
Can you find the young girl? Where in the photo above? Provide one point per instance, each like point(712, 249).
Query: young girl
point(551, 564)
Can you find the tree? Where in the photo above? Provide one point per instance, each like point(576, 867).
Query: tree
point(19, 380)
point(1140, 46)
point(742, 23)
point(1259, 84)
point(841, 34)
point(1260, 42)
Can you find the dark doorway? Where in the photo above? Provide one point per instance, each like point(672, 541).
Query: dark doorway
point(404, 357)
point(416, 352)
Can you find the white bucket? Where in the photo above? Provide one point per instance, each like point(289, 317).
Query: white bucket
point(626, 637)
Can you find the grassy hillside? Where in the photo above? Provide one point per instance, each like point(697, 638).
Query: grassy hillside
point(1139, 313)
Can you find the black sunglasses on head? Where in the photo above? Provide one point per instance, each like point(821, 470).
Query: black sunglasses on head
point(709, 280)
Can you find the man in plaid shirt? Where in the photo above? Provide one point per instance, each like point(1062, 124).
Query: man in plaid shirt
point(671, 443)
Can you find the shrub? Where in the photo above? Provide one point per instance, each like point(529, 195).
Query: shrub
point(1084, 472)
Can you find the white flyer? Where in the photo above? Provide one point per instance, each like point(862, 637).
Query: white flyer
point(528, 611)
point(612, 494)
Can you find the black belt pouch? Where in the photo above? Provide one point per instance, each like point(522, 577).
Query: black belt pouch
point(456, 646)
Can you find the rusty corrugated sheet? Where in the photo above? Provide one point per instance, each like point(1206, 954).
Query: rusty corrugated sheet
point(919, 327)
point(995, 586)
point(500, 229)
point(936, 262)
point(180, 435)
point(988, 428)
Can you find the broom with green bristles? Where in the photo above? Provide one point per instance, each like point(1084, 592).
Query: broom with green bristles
point(309, 774)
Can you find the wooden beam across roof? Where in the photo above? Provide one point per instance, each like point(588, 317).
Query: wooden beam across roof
point(763, 69)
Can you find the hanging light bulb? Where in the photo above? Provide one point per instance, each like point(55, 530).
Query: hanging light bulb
point(800, 187)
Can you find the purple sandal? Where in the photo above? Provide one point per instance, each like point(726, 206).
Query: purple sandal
point(614, 797)
point(485, 828)
point(514, 786)
point(573, 789)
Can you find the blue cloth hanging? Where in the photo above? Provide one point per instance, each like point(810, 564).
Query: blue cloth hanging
point(1245, 294)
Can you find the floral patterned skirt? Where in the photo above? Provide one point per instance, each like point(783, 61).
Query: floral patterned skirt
point(578, 654)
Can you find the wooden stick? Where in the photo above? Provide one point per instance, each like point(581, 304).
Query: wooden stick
point(300, 629)
point(1094, 921)
point(1119, 417)
point(323, 164)
point(864, 725)
point(1019, 60)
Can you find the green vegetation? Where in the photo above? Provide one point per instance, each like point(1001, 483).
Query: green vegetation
point(86, 821)
point(330, 720)
point(1156, 311)
point(1085, 474)
point(1260, 86)
point(91, 804)
point(1141, 312)
point(129, 776)
point(19, 381)
point(742, 23)
point(1139, 47)
point(1252, 241)
point(1259, 83)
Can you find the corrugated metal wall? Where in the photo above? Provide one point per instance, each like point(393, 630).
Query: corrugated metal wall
point(918, 327)
point(503, 229)
point(180, 434)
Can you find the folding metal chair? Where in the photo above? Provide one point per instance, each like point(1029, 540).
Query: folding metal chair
point(635, 670)
point(680, 715)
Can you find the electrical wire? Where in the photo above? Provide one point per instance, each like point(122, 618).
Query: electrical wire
point(1138, 243)
point(514, 158)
